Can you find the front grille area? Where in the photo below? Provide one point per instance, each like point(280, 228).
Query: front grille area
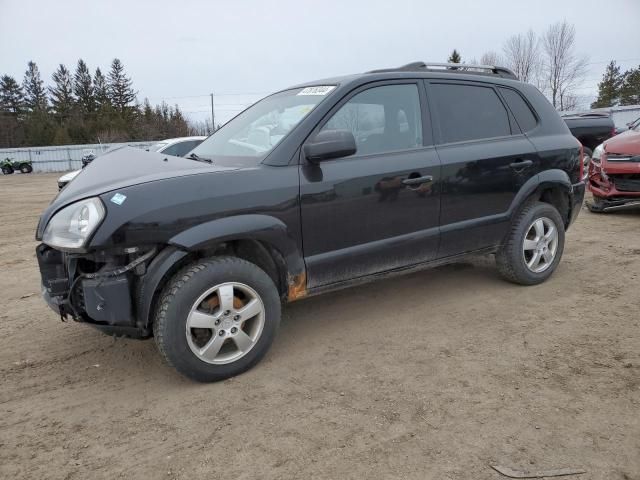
point(619, 157)
point(627, 182)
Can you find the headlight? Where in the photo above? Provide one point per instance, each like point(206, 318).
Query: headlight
point(72, 226)
point(597, 153)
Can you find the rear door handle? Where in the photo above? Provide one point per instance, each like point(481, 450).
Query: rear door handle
point(521, 164)
point(417, 180)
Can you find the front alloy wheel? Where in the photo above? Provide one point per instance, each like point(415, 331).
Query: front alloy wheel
point(225, 323)
point(217, 318)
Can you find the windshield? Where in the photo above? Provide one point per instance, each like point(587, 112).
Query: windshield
point(257, 130)
point(156, 147)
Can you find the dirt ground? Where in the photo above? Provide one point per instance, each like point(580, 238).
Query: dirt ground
point(435, 375)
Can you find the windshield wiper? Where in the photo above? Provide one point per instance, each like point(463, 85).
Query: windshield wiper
point(196, 157)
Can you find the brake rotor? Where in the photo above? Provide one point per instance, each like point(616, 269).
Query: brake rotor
point(214, 302)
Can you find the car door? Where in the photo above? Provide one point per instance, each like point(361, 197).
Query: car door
point(378, 209)
point(485, 160)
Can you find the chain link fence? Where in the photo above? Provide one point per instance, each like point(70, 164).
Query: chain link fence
point(63, 158)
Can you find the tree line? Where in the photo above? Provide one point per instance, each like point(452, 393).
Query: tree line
point(618, 88)
point(550, 62)
point(81, 107)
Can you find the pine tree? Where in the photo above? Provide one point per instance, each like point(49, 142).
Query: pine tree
point(120, 92)
point(630, 90)
point(11, 108)
point(83, 87)
point(609, 87)
point(100, 90)
point(454, 57)
point(11, 96)
point(62, 99)
point(178, 124)
point(35, 94)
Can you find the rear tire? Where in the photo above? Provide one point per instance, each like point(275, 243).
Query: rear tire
point(534, 246)
point(26, 168)
point(217, 318)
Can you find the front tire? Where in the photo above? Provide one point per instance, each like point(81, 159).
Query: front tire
point(534, 246)
point(217, 318)
point(7, 170)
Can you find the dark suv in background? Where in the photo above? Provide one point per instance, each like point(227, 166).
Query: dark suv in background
point(311, 189)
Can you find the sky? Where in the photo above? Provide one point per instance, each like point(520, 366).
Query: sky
point(181, 51)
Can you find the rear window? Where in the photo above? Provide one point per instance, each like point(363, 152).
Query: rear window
point(470, 112)
point(520, 109)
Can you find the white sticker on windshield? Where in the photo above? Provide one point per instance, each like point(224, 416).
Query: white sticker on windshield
point(118, 198)
point(318, 90)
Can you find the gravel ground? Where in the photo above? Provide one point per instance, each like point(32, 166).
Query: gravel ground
point(437, 374)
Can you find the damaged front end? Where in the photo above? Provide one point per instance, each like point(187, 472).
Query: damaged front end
point(614, 181)
point(96, 288)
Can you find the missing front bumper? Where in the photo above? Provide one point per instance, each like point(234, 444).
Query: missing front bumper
point(103, 297)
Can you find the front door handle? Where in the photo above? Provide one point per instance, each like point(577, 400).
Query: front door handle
point(417, 180)
point(521, 164)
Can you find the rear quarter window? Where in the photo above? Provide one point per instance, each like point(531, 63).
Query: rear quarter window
point(520, 109)
point(470, 112)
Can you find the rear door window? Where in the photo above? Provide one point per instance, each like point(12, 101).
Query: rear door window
point(520, 109)
point(469, 112)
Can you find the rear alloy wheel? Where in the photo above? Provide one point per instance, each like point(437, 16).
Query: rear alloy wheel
point(532, 250)
point(217, 318)
point(26, 168)
point(540, 245)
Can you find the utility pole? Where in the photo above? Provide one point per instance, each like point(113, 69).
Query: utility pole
point(213, 116)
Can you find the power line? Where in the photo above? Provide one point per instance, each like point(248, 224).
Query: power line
point(246, 94)
point(607, 61)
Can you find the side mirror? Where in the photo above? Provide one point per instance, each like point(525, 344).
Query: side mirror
point(330, 144)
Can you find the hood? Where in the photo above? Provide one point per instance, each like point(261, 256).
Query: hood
point(127, 166)
point(627, 143)
point(120, 168)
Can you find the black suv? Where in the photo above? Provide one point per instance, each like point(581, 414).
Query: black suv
point(311, 189)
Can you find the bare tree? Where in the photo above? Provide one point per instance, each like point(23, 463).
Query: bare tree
point(490, 58)
point(563, 70)
point(522, 55)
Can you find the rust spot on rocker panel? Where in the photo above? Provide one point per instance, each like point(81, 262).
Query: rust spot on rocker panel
point(297, 287)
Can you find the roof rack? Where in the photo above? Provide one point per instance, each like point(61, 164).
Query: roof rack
point(450, 68)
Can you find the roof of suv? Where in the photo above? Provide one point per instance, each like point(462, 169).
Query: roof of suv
point(426, 70)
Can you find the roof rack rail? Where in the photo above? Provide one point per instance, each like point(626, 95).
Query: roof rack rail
point(451, 67)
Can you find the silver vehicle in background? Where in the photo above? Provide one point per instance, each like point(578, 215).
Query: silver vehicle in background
point(177, 147)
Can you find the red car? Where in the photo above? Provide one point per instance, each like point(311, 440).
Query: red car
point(614, 172)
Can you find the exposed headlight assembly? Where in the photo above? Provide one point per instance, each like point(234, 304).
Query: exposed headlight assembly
point(71, 227)
point(597, 153)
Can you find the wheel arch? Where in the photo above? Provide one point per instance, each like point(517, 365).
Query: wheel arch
point(260, 239)
point(550, 186)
